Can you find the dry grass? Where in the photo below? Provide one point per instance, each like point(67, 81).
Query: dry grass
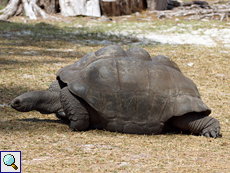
point(29, 62)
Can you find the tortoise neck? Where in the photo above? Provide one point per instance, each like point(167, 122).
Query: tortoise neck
point(46, 102)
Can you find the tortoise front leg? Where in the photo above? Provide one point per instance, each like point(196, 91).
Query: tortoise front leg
point(75, 109)
point(56, 86)
point(198, 123)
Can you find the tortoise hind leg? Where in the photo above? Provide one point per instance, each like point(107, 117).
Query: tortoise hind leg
point(75, 109)
point(198, 123)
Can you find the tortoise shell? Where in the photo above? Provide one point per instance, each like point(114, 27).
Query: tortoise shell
point(130, 92)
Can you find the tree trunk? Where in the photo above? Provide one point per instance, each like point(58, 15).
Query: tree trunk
point(48, 5)
point(157, 5)
point(80, 7)
point(3, 3)
point(32, 8)
point(9, 10)
point(40, 8)
point(122, 7)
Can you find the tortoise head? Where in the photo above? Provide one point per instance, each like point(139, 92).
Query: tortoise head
point(43, 101)
point(25, 102)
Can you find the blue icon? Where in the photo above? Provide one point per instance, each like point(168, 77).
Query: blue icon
point(9, 160)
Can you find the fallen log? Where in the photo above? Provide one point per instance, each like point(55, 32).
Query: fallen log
point(202, 4)
point(195, 9)
point(121, 7)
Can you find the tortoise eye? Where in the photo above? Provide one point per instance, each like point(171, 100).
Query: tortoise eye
point(17, 102)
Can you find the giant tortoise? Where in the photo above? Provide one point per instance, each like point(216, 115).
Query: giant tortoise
point(123, 91)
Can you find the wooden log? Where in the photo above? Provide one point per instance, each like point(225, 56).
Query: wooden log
point(157, 5)
point(202, 4)
point(171, 4)
point(121, 7)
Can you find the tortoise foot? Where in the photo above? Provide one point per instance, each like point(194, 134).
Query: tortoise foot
point(212, 130)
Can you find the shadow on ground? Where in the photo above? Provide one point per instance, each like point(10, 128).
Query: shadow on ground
point(10, 51)
point(36, 120)
point(12, 123)
point(43, 35)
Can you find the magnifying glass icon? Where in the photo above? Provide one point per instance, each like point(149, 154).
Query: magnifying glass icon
point(9, 160)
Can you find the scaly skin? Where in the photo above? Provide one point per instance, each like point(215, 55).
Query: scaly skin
point(45, 102)
point(198, 123)
point(75, 110)
point(56, 86)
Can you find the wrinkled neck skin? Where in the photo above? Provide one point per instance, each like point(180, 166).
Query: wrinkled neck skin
point(45, 102)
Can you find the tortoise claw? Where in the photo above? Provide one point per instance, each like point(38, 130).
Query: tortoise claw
point(218, 130)
point(61, 115)
point(207, 135)
point(212, 129)
point(213, 134)
point(219, 135)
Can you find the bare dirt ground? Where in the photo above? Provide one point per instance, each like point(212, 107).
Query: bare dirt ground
point(31, 52)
